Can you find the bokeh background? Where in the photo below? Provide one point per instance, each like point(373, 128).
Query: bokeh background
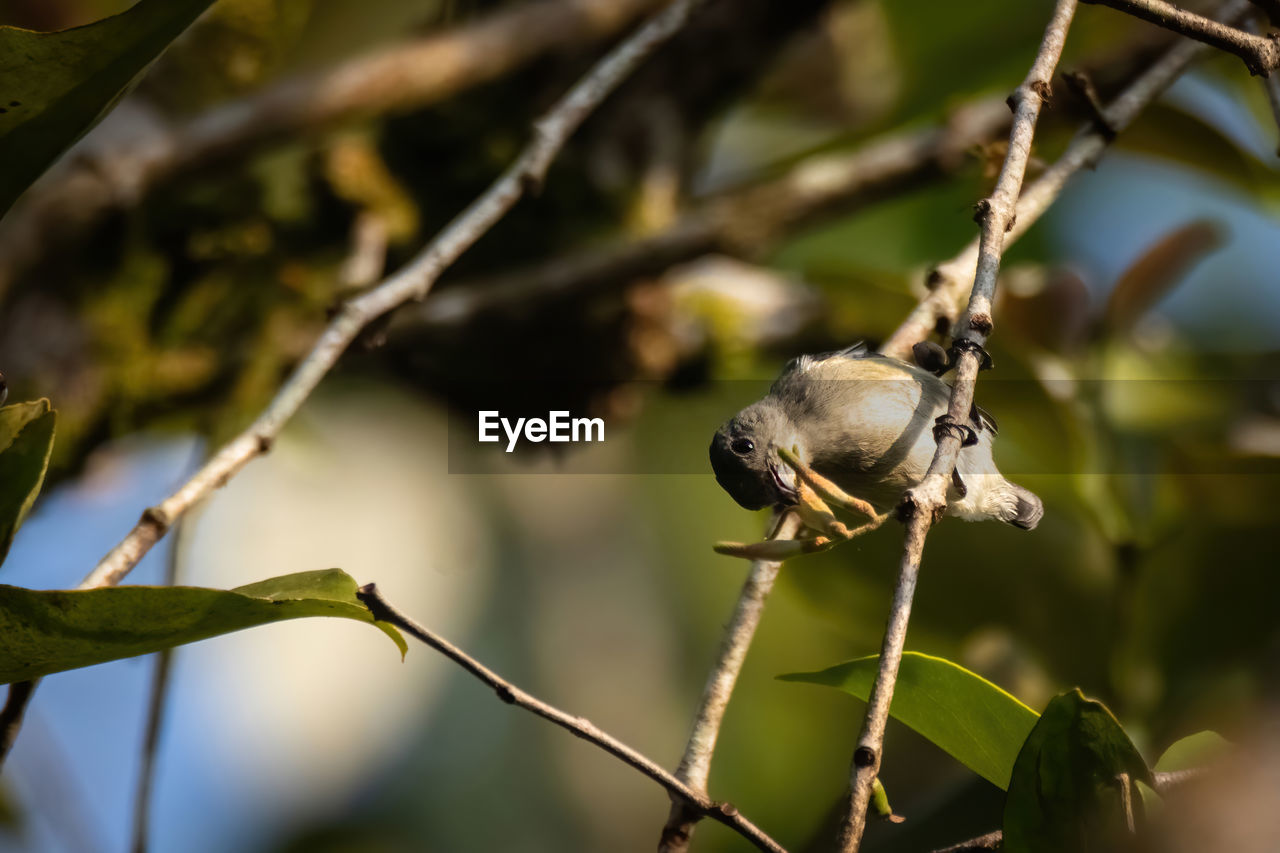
point(1137, 346)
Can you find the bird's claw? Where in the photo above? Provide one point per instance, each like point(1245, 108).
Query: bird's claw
point(814, 494)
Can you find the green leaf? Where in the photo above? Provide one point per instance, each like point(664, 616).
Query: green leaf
point(973, 720)
point(55, 86)
point(48, 632)
point(26, 439)
point(1071, 781)
point(1192, 751)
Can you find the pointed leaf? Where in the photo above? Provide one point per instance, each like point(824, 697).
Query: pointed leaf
point(1192, 751)
point(1074, 778)
point(26, 439)
point(55, 86)
point(1157, 270)
point(973, 720)
point(48, 632)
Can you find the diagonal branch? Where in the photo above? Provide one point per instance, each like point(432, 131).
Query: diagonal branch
point(695, 765)
point(948, 282)
point(924, 503)
point(693, 798)
point(1271, 84)
point(122, 168)
point(1260, 53)
point(738, 221)
point(412, 281)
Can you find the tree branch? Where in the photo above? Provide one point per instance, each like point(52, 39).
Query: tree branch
point(693, 798)
point(924, 503)
point(412, 281)
point(15, 707)
point(695, 765)
point(738, 221)
point(990, 841)
point(1260, 54)
point(1254, 24)
point(157, 703)
point(948, 282)
point(78, 192)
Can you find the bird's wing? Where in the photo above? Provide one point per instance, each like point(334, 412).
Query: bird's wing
point(803, 363)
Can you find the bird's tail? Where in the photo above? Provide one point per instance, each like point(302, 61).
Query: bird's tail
point(1028, 510)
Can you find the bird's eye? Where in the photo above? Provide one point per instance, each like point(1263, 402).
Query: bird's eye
point(742, 446)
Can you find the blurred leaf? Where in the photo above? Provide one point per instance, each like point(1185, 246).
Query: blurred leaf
point(52, 631)
point(1169, 133)
point(965, 715)
point(944, 50)
point(1157, 270)
point(26, 439)
point(1192, 751)
point(1067, 787)
point(55, 86)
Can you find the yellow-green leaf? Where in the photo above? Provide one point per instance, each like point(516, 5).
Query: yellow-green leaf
point(55, 86)
point(1074, 778)
point(26, 439)
point(979, 724)
point(52, 631)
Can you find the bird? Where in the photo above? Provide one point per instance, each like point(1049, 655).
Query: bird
point(856, 427)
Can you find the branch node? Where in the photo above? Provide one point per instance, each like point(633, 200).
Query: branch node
point(1043, 89)
point(157, 518)
point(981, 210)
point(982, 324)
point(265, 442)
point(864, 756)
point(725, 809)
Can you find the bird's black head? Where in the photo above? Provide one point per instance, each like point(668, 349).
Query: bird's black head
point(745, 458)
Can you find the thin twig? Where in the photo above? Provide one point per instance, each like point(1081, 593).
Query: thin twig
point(15, 707)
point(1254, 24)
point(578, 726)
point(695, 764)
point(949, 282)
point(1260, 54)
point(121, 169)
point(156, 704)
point(990, 841)
point(924, 503)
point(412, 281)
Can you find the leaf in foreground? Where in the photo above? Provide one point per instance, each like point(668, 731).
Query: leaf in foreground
point(1073, 782)
point(977, 723)
point(26, 439)
point(52, 631)
point(55, 86)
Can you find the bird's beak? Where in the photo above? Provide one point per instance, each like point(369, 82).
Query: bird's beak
point(784, 480)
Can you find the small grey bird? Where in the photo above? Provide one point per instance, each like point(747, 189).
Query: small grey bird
point(864, 422)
